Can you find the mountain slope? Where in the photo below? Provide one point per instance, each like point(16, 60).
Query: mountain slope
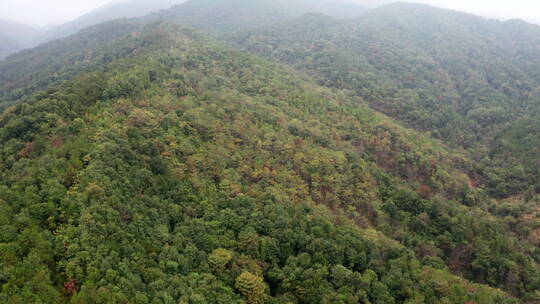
point(51, 63)
point(149, 162)
point(190, 172)
point(42, 67)
point(418, 47)
point(122, 9)
point(460, 77)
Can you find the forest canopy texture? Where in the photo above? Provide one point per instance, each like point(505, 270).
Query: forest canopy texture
point(387, 158)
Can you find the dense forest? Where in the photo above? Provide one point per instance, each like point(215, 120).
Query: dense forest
point(318, 160)
point(459, 77)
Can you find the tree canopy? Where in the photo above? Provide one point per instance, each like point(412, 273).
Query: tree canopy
point(145, 162)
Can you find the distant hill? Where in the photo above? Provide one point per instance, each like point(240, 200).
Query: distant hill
point(225, 16)
point(16, 36)
point(18, 30)
point(8, 46)
point(372, 3)
point(217, 16)
point(123, 9)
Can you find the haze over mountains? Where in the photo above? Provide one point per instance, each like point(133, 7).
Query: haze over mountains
point(256, 151)
point(122, 9)
point(136, 8)
point(15, 37)
point(226, 16)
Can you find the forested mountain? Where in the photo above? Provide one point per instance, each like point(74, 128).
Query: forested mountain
point(54, 62)
point(184, 171)
point(119, 9)
point(45, 65)
point(15, 37)
point(226, 16)
point(459, 77)
point(144, 162)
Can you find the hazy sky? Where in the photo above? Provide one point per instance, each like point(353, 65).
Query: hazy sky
point(505, 9)
point(42, 12)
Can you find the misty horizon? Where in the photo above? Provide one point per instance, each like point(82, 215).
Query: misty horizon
point(56, 12)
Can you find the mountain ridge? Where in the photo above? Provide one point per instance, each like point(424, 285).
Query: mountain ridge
point(109, 12)
point(237, 15)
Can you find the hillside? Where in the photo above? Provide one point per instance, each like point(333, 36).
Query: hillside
point(116, 10)
point(36, 69)
point(321, 161)
point(459, 77)
point(54, 62)
point(134, 184)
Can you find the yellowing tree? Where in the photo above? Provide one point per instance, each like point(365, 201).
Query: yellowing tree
point(252, 287)
point(219, 258)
